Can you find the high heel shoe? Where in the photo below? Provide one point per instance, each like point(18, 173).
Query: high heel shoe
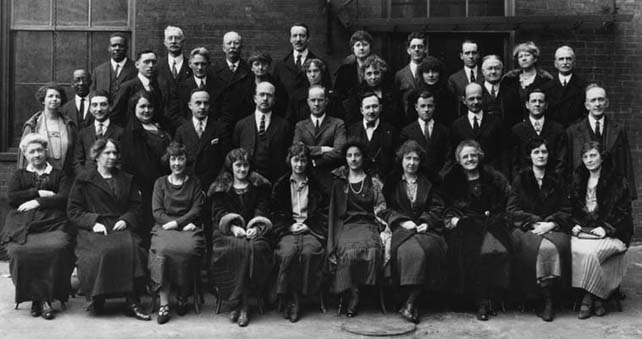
point(353, 305)
point(136, 311)
point(46, 311)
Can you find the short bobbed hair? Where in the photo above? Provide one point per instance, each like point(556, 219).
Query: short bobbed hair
point(376, 62)
point(360, 36)
point(299, 150)
point(352, 142)
point(408, 147)
point(529, 47)
point(536, 142)
point(174, 149)
point(42, 92)
point(237, 154)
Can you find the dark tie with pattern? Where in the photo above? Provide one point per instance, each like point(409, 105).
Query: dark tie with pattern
point(100, 132)
point(262, 125)
point(200, 129)
point(492, 91)
point(316, 126)
point(200, 84)
point(472, 76)
point(426, 131)
point(174, 71)
point(116, 71)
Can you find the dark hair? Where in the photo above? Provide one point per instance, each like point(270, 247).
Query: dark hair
point(415, 35)
point(367, 95)
point(260, 56)
point(317, 62)
point(469, 41)
point(407, 147)
point(140, 53)
point(535, 90)
point(237, 154)
point(589, 145)
point(99, 93)
point(353, 142)
point(42, 92)
point(133, 101)
point(375, 61)
point(414, 96)
point(431, 63)
point(536, 142)
point(174, 149)
point(120, 35)
point(299, 24)
point(195, 90)
point(360, 36)
point(99, 146)
point(299, 150)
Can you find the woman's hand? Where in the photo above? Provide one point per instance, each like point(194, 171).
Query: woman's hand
point(251, 233)
point(189, 227)
point(542, 227)
point(45, 193)
point(120, 225)
point(452, 223)
point(170, 225)
point(238, 231)
point(409, 225)
point(99, 228)
point(28, 206)
point(599, 231)
point(576, 230)
point(422, 228)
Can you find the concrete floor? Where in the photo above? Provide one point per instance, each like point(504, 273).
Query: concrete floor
point(76, 323)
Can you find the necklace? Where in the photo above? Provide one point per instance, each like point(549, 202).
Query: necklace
point(360, 188)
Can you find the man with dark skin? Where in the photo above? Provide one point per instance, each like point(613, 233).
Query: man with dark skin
point(78, 108)
point(109, 76)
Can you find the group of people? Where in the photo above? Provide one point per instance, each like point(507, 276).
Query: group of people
point(479, 184)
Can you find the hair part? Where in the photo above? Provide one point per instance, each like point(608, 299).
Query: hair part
point(99, 146)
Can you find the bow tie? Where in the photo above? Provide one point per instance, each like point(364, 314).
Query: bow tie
point(370, 124)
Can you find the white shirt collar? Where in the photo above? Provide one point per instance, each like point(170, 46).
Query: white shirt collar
point(489, 86)
point(413, 68)
point(562, 77)
point(121, 63)
point(196, 121)
point(105, 124)
point(314, 119)
point(179, 60)
point(532, 120)
point(144, 80)
point(257, 118)
point(592, 121)
point(471, 116)
point(86, 108)
point(198, 80)
point(31, 169)
point(236, 64)
point(304, 55)
point(468, 70)
point(365, 124)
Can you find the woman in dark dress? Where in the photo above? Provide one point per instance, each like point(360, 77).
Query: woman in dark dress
point(177, 237)
point(301, 229)
point(105, 207)
point(414, 214)
point(348, 75)
point(242, 257)
point(433, 80)
point(539, 209)
point(478, 239)
point(35, 232)
point(603, 226)
point(144, 143)
point(354, 243)
point(516, 84)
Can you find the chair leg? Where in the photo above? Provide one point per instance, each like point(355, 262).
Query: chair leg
point(154, 296)
point(196, 292)
point(322, 301)
point(15, 308)
point(382, 301)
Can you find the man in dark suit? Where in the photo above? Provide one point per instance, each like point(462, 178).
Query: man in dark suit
point(538, 124)
point(486, 129)
point(109, 76)
point(199, 63)
point(407, 79)
point(289, 71)
point(78, 109)
point(565, 94)
point(470, 73)
point(598, 127)
point(432, 136)
point(100, 127)
point(492, 69)
point(146, 63)
point(265, 135)
point(230, 79)
point(172, 70)
point(323, 134)
point(380, 137)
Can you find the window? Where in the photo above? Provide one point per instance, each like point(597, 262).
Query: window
point(48, 40)
point(446, 8)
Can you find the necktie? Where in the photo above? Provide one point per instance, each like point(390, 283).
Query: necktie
point(298, 61)
point(537, 126)
point(116, 71)
point(200, 84)
point(101, 130)
point(475, 124)
point(233, 68)
point(564, 83)
point(200, 129)
point(370, 124)
point(174, 71)
point(492, 91)
point(316, 126)
point(472, 76)
point(598, 132)
point(81, 110)
point(426, 131)
point(262, 125)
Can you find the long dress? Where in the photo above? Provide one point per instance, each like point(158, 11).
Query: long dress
point(549, 255)
point(600, 264)
point(300, 257)
point(37, 241)
point(416, 258)
point(240, 264)
point(112, 264)
point(174, 255)
point(353, 233)
point(479, 247)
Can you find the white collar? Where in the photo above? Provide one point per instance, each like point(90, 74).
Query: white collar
point(196, 121)
point(178, 59)
point(479, 115)
point(105, 124)
point(488, 86)
point(145, 80)
point(562, 77)
point(121, 63)
point(532, 120)
point(47, 170)
point(257, 118)
point(314, 119)
point(365, 124)
point(236, 64)
point(428, 123)
point(468, 70)
point(592, 120)
point(304, 55)
point(199, 80)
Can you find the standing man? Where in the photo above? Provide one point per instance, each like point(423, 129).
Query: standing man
point(598, 127)
point(470, 73)
point(323, 134)
point(265, 135)
point(407, 79)
point(492, 70)
point(109, 76)
point(78, 109)
point(199, 63)
point(289, 71)
point(565, 92)
point(230, 79)
point(172, 70)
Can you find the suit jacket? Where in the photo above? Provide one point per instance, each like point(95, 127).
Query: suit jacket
point(491, 136)
point(279, 138)
point(457, 83)
point(86, 138)
point(405, 83)
point(120, 114)
point(71, 111)
point(291, 77)
point(514, 96)
point(227, 86)
point(555, 137)
point(182, 95)
point(381, 148)
point(565, 103)
point(103, 73)
point(616, 145)
point(332, 133)
point(168, 86)
point(494, 105)
point(437, 149)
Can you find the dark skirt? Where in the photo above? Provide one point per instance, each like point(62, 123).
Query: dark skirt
point(109, 265)
point(41, 268)
point(239, 264)
point(420, 260)
point(359, 256)
point(174, 258)
point(300, 259)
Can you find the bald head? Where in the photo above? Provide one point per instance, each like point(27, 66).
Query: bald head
point(232, 46)
point(473, 97)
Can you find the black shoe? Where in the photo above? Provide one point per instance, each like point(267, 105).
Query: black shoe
point(548, 313)
point(353, 305)
point(96, 306)
point(295, 312)
point(234, 315)
point(482, 312)
point(407, 312)
point(163, 314)
point(598, 308)
point(136, 310)
point(181, 306)
point(243, 319)
point(36, 309)
point(46, 311)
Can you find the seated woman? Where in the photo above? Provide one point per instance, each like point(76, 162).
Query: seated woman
point(105, 206)
point(414, 214)
point(602, 230)
point(301, 229)
point(242, 257)
point(354, 245)
point(539, 209)
point(177, 237)
point(477, 237)
point(35, 232)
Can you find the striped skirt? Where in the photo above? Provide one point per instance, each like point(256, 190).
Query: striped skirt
point(598, 265)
